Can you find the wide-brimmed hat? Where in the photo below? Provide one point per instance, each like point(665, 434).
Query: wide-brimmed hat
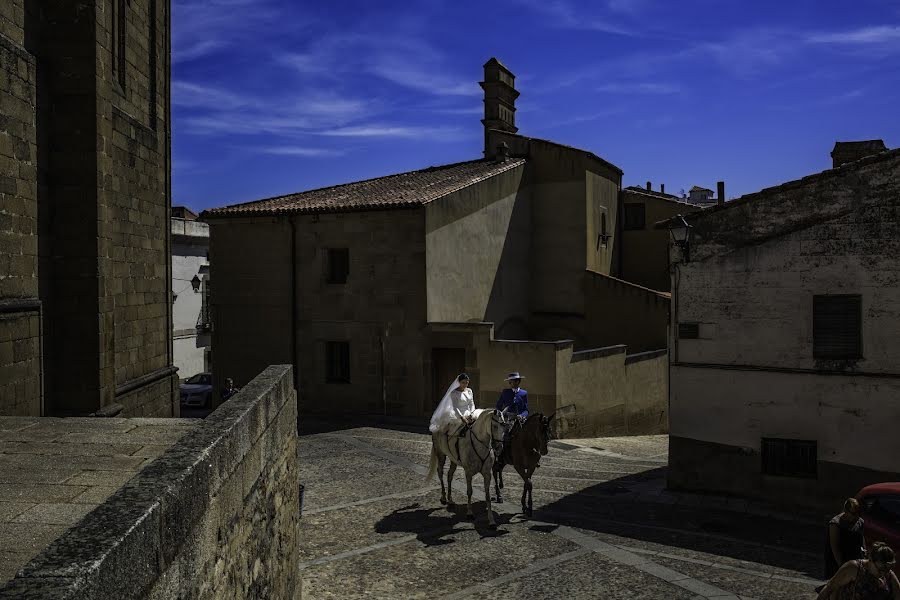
point(514, 375)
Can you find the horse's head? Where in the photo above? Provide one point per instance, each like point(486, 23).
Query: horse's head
point(545, 433)
point(500, 422)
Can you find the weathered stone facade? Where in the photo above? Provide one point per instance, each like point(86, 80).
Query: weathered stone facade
point(216, 516)
point(743, 348)
point(84, 180)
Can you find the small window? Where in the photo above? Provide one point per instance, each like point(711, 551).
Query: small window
point(338, 267)
point(688, 331)
point(789, 458)
point(635, 217)
point(837, 327)
point(337, 362)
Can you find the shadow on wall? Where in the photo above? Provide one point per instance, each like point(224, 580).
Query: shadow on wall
point(509, 300)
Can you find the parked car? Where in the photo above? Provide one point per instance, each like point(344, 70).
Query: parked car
point(197, 390)
point(880, 507)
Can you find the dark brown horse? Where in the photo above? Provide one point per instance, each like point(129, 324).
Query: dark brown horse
point(523, 450)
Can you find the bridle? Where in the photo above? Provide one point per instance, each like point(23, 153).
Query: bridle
point(492, 442)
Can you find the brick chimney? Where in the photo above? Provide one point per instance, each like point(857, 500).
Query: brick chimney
point(649, 186)
point(720, 191)
point(499, 101)
point(662, 188)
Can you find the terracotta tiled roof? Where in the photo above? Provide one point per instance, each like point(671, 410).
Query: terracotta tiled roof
point(403, 190)
point(874, 146)
point(697, 188)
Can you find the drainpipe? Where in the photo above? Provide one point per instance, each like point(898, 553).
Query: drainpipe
point(294, 307)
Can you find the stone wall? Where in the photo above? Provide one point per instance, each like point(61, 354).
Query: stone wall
point(84, 184)
point(616, 312)
point(216, 516)
point(20, 349)
point(594, 392)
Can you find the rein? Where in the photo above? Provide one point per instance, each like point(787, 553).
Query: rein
point(489, 446)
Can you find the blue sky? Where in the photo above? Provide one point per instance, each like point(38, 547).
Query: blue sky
point(278, 96)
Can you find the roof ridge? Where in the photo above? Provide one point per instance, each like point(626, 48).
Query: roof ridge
point(812, 177)
point(349, 183)
point(561, 145)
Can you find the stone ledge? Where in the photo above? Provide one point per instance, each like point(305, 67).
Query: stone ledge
point(123, 546)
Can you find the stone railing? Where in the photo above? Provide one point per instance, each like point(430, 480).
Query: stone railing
point(216, 516)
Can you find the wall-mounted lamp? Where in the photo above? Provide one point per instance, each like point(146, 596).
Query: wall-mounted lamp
point(195, 283)
point(681, 231)
point(174, 297)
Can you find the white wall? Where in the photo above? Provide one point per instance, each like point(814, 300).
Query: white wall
point(190, 244)
point(755, 308)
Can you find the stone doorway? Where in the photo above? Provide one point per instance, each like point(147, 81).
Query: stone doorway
point(446, 363)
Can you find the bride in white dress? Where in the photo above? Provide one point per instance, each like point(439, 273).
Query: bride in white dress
point(457, 405)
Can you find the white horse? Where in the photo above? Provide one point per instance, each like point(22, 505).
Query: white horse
point(474, 451)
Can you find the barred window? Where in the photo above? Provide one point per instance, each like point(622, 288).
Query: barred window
point(789, 458)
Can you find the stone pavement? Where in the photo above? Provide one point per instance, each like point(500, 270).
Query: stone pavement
point(603, 528)
point(55, 471)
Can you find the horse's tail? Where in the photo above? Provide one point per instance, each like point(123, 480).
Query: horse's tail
point(432, 464)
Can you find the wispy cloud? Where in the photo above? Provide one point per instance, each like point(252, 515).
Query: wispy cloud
point(393, 131)
point(303, 151)
point(564, 15)
point(410, 62)
point(875, 35)
point(630, 7)
point(639, 87)
point(202, 27)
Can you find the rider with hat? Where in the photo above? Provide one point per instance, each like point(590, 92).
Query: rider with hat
point(515, 400)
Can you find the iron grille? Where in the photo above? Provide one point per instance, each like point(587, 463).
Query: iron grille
point(789, 458)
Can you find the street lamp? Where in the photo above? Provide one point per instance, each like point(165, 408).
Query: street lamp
point(195, 283)
point(681, 231)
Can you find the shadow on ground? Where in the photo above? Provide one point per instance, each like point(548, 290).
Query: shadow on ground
point(432, 526)
point(327, 423)
point(603, 508)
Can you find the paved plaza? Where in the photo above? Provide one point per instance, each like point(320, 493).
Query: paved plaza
point(603, 527)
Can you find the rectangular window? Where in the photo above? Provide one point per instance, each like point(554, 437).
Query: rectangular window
point(635, 217)
point(337, 362)
point(338, 267)
point(688, 331)
point(789, 458)
point(837, 327)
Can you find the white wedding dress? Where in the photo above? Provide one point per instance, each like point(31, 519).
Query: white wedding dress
point(455, 405)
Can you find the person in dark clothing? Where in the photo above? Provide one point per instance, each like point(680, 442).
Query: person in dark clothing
point(844, 540)
point(229, 390)
point(870, 579)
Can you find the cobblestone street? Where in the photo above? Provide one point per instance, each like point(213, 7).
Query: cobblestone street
point(603, 527)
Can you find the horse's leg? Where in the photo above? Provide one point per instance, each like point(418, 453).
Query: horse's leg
point(469, 513)
point(498, 474)
point(524, 475)
point(441, 460)
point(530, 487)
point(487, 498)
point(450, 471)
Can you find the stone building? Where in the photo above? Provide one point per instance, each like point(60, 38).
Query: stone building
point(645, 249)
point(381, 291)
point(190, 291)
point(85, 307)
point(845, 152)
point(784, 380)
